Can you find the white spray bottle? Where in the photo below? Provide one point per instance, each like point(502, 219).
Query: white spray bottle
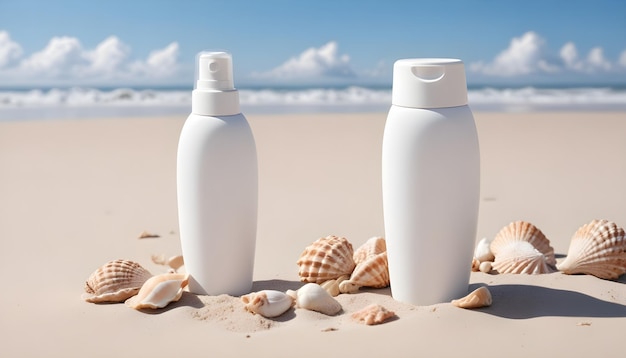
point(217, 184)
point(431, 182)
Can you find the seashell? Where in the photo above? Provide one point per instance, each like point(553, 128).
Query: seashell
point(147, 235)
point(315, 298)
point(485, 266)
point(475, 265)
point(326, 259)
point(371, 247)
point(373, 314)
point(332, 286)
point(597, 248)
point(482, 252)
point(523, 231)
point(373, 272)
point(480, 297)
point(521, 257)
point(115, 281)
point(159, 291)
point(175, 262)
point(267, 303)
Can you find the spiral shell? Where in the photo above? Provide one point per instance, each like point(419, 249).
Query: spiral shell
point(507, 243)
point(326, 259)
point(115, 281)
point(597, 248)
point(371, 247)
point(480, 297)
point(373, 272)
point(159, 291)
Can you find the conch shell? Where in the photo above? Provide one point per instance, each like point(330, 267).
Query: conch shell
point(480, 297)
point(373, 314)
point(371, 247)
point(315, 298)
point(267, 303)
point(521, 247)
point(115, 281)
point(372, 272)
point(326, 259)
point(159, 291)
point(598, 249)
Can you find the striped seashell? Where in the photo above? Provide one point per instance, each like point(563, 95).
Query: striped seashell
point(597, 248)
point(521, 257)
point(523, 231)
point(371, 247)
point(373, 272)
point(326, 259)
point(480, 297)
point(115, 281)
point(159, 291)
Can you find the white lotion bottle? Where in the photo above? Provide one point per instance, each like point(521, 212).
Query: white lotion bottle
point(431, 182)
point(217, 184)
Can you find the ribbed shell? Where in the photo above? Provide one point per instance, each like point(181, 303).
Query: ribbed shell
point(521, 257)
point(115, 281)
point(598, 249)
point(523, 231)
point(373, 272)
point(371, 247)
point(326, 259)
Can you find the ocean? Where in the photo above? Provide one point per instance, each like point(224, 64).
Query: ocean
point(91, 102)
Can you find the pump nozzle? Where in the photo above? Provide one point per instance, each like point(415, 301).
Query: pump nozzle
point(215, 71)
point(215, 93)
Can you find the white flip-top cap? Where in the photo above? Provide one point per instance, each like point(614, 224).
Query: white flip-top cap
point(429, 83)
point(214, 92)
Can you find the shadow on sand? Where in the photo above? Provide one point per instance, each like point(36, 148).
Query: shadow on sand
point(526, 301)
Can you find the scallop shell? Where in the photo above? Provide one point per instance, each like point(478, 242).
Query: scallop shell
point(480, 297)
point(115, 281)
point(373, 272)
point(326, 259)
point(267, 303)
point(159, 291)
point(521, 257)
point(315, 298)
point(523, 231)
point(373, 314)
point(371, 247)
point(598, 249)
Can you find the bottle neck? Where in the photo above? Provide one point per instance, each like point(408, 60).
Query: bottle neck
point(215, 103)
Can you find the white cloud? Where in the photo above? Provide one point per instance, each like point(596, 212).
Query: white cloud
point(529, 54)
point(324, 61)
point(10, 51)
point(64, 58)
point(108, 57)
point(526, 54)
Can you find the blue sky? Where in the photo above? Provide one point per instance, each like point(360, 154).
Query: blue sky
point(115, 43)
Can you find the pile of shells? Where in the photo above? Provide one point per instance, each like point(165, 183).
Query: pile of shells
point(331, 262)
point(597, 248)
point(127, 281)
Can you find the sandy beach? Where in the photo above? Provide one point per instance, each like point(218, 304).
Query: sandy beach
point(75, 194)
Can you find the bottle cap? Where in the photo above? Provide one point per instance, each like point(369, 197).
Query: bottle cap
point(429, 83)
point(214, 92)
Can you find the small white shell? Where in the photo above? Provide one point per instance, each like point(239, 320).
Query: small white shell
point(480, 297)
point(332, 286)
point(315, 298)
point(482, 252)
point(267, 303)
point(159, 291)
point(485, 266)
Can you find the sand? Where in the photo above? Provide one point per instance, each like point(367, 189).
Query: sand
point(75, 194)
